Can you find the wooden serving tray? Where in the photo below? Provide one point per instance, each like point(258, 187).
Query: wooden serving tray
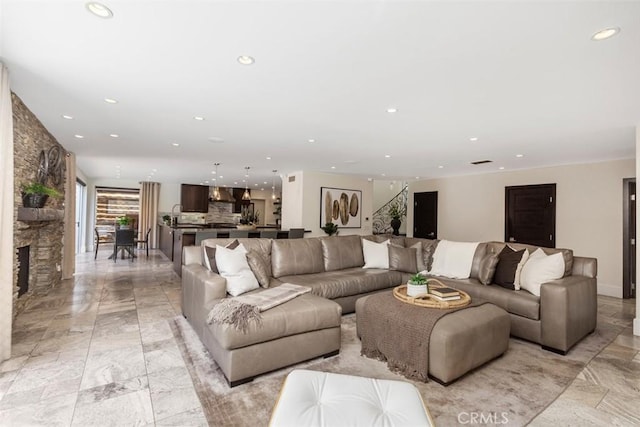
point(427, 300)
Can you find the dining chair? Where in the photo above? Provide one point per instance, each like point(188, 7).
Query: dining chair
point(296, 233)
point(125, 240)
point(101, 238)
point(238, 234)
point(144, 241)
point(268, 234)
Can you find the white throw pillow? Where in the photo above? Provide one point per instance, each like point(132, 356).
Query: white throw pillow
point(233, 266)
point(523, 261)
point(539, 269)
point(376, 255)
point(453, 259)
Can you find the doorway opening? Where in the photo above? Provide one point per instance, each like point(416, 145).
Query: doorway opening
point(629, 238)
point(425, 215)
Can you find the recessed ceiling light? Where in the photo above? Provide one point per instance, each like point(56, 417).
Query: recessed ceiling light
point(333, 167)
point(64, 116)
point(383, 174)
point(265, 182)
point(175, 144)
point(154, 170)
point(110, 101)
point(221, 177)
point(235, 182)
point(387, 156)
point(198, 118)
point(501, 168)
point(255, 184)
point(246, 60)
point(79, 136)
point(473, 139)
point(605, 34)
point(392, 110)
point(268, 158)
point(99, 10)
point(417, 177)
point(206, 181)
point(440, 167)
point(312, 140)
point(114, 135)
point(519, 155)
point(262, 189)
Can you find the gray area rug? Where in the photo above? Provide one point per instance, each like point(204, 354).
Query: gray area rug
point(510, 390)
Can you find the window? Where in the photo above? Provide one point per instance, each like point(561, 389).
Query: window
point(112, 203)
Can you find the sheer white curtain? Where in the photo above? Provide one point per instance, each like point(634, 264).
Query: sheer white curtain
point(149, 195)
point(6, 215)
point(69, 246)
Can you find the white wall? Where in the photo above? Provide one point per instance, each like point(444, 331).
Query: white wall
point(169, 196)
point(383, 191)
point(301, 201)
point(588, 210)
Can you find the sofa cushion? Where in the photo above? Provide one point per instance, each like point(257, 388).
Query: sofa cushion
point(508, 261)
point(478, 256)
point(296, 256)
point(233, 266)
point(420, 265)
point(428, 248)
point(261, 245)
point(541, 268)
point(403, 259)
point(487, 268)
point(210, 255)
point(376, 255)
point(343, 283)
point(567, 254)
point(259, 267)
point(302, 314)
point(342, 252)
point(521, 303)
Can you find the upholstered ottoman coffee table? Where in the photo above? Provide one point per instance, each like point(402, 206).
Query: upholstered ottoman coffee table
point(312, 398)
point(460, 340)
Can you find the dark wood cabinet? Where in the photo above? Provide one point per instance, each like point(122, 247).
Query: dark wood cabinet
point(239, 203)
point(194, 198)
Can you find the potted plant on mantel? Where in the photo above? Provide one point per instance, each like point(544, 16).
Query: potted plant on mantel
point(35, 195)
point(396, 211)
point(417, 285)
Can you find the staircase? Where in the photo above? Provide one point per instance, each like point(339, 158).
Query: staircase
point(381, 218)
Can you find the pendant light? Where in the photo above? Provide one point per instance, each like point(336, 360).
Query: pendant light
point(273, 185)
point(216, 188)
point(246, 196)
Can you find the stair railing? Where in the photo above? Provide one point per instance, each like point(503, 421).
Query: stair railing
point(382, 219)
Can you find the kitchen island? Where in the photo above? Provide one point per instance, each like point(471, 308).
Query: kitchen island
point(175, 237)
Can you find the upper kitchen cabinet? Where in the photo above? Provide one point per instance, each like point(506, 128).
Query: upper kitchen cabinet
point(194, 198)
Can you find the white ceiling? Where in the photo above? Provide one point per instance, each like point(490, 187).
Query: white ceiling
point(522, 77)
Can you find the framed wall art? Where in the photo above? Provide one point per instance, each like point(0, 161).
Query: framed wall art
point(341, 207)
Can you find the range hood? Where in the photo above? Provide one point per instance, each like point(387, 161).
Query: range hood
point(225, 196)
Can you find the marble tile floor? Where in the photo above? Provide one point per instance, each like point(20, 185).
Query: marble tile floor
point(98, 350)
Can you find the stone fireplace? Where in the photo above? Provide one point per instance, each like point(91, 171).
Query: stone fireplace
point(42, 234)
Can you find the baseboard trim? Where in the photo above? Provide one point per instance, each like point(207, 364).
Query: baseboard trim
point(609, 290)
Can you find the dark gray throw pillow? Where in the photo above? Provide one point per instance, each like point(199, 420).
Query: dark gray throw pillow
point(508, 261)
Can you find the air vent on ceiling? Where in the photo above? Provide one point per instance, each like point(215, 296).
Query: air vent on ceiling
point(481, 162)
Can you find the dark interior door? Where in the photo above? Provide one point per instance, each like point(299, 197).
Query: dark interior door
point(629, 239)
point(425, 215)
point(530, 214)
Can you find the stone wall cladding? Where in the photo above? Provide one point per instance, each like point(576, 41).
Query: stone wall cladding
point(30, 137)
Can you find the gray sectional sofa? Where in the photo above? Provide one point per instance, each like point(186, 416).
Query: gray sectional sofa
point(309, 326)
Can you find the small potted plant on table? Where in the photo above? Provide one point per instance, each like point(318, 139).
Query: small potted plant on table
point(417, 285)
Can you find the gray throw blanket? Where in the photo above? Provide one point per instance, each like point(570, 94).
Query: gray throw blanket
point(244, 309)
point(399, 333)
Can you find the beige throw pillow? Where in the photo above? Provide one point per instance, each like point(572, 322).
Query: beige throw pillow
point(403, 259)
point(259, 267)
point(487, 268)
